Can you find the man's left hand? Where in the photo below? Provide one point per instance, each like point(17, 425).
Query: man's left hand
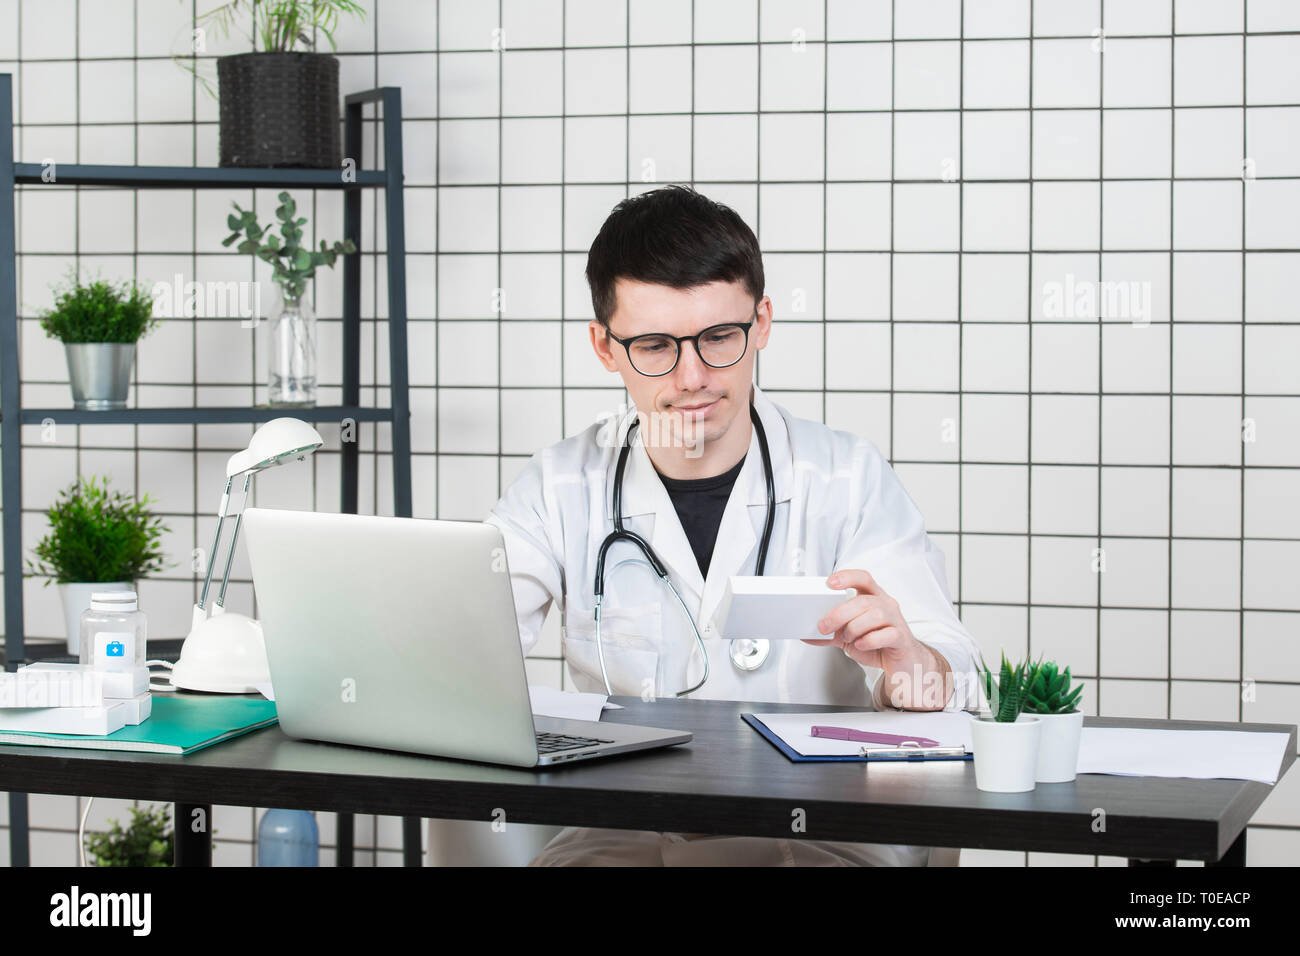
point(870, 628)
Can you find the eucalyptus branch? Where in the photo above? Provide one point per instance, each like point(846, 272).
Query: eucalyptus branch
point(291, 262)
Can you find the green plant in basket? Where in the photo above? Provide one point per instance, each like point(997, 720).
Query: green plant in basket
point(1050, 691)
point(1009, 693)
point(272, 26)
point(284, 24)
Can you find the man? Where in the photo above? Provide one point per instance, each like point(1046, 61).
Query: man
point(678, 292)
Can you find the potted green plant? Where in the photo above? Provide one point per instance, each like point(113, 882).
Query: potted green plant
point(279, 103)
point(98, 541)
point(99, 324)
point(147, 841)
point(1005, 739)
point(1053, 700)
point(292, 351)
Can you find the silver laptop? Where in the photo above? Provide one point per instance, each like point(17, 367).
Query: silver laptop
point(401, 633)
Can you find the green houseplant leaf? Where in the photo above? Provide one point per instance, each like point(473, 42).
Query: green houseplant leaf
point(98, 536)
point(1007, 695)
point(1051, 692)
point(99, 311)
point(292, 263)
point(147, 841)
point(273, 26)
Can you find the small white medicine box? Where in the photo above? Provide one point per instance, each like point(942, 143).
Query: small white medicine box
point(776, 608)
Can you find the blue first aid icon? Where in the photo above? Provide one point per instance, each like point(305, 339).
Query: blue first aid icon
point(115, 649)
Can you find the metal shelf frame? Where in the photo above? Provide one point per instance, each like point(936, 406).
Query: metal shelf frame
point(13, 416)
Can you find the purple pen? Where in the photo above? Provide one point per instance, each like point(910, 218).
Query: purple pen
point(866, 736)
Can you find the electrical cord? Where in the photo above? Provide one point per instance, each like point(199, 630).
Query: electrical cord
point(81, 827)
point(81, 831)
point(169, 686)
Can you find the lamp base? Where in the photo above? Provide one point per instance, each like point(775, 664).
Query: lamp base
point(223, 654)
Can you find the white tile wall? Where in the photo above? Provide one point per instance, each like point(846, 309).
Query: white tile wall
point(1093, 368)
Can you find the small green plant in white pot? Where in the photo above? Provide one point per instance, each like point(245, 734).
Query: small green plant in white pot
point(1054, 702)
point(99, 325)
point(1005, 739)
point(98, 541)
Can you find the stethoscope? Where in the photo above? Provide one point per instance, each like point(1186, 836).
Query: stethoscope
point(746, 654)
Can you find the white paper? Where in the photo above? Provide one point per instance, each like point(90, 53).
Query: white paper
point(265, 690)
point(950, 728)
point(1201, 754)
point(549, 702)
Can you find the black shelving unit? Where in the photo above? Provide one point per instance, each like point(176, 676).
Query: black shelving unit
point(13, 416)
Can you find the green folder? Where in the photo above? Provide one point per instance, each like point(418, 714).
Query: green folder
point(177, 724)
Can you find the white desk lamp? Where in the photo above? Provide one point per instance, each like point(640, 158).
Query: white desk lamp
point(225, 652)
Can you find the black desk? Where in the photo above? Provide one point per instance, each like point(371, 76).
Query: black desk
point(729, 780)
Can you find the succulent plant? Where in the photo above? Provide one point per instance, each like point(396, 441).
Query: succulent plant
point(1050, 691)
point(1008, 694)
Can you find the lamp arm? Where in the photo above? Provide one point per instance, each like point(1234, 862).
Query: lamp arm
point(216, 540)
point(234, 537)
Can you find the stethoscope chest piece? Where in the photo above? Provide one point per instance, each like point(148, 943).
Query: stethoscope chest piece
point(749, 655)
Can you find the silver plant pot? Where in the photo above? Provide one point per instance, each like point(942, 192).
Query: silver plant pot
point(100, 373)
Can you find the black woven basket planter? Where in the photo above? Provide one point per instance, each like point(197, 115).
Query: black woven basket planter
point(279, 109)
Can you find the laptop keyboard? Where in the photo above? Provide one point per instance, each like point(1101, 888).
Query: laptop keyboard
point(549, 742)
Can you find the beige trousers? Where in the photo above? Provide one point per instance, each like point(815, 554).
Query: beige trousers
point(586, 846)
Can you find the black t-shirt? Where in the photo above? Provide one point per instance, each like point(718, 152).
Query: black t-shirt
point(700, 503)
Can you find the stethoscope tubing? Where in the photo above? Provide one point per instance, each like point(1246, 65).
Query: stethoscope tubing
point(622, 534)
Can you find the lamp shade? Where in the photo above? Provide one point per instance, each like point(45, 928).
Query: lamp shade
point(277, 441)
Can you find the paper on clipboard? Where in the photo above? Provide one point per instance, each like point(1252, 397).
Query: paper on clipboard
point(951, 729)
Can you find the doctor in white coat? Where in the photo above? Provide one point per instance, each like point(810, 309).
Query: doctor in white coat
point(674, 264)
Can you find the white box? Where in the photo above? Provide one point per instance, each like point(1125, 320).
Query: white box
point(92, 721)
point(137, 708)
point(51, 688)
point(776, 608)
point(117, 684)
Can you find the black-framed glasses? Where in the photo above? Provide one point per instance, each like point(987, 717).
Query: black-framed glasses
point(718, 346)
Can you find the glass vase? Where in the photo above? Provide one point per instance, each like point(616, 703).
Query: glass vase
point(292, 349)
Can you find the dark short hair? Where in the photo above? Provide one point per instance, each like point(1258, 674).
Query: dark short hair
point(672, 236)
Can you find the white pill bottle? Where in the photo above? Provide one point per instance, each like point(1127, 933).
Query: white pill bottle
point(113, 631)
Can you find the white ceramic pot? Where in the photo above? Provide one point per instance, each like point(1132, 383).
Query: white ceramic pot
point(76, 598)
point(1058, 747)
point(1006, 754)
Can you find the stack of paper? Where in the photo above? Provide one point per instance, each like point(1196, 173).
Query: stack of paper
point(1202, 754)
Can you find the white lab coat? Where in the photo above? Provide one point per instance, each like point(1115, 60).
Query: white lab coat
point(838, 505)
